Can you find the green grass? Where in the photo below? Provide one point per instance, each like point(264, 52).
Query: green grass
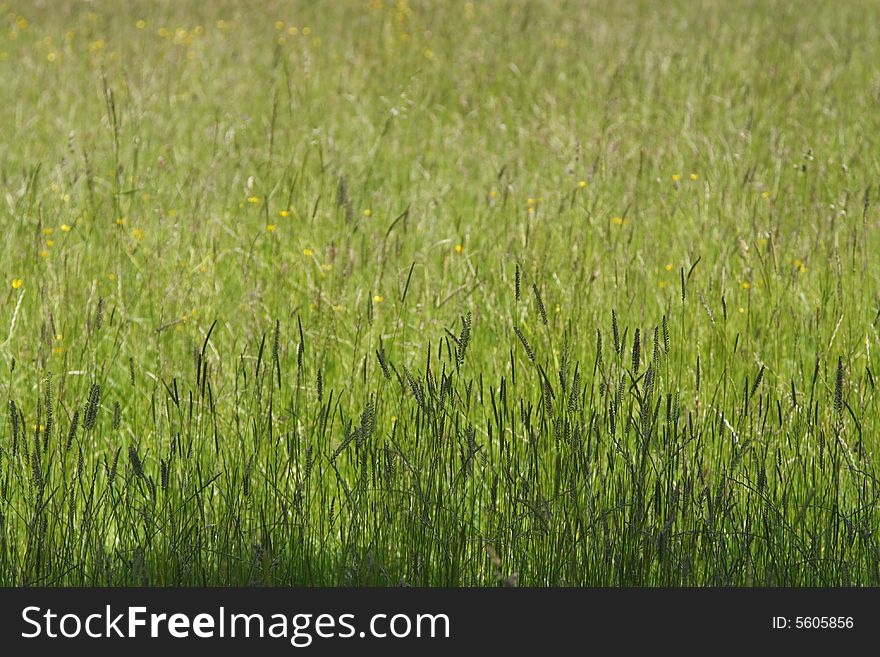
point(549, 293)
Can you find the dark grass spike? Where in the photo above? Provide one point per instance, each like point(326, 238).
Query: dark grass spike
point(111, 474)
point(406, 286)
point(37, 470)
point(525, 344)
point(310, 462)
point(90, 414)
point(548, 394)
point(463, 340)
point(649, 382)
point(838, 387)
point(276, 348)
point(615, 332)
point(540, 302)
point(517, 282)
point(574, 393)
point(636, 351)
point(99, 314)
point(383, 360)
point(415, 388)
point(368, 422)
point(301, 349)
point(621, 389)
point(665, 336)
point(71, 432)
point(135, 462)
point(565, 361)
point(48, 401)
point(757, 382)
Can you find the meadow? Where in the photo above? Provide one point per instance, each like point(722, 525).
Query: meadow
point(398, 293)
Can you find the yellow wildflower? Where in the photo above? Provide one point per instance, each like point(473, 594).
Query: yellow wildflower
point(308, 253)
point(459, 248)
point(17, 283)
point(271, 227)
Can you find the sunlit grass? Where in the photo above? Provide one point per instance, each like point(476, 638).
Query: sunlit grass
point(551, 293)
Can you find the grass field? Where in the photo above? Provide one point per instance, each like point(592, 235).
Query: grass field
point(410, 293)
